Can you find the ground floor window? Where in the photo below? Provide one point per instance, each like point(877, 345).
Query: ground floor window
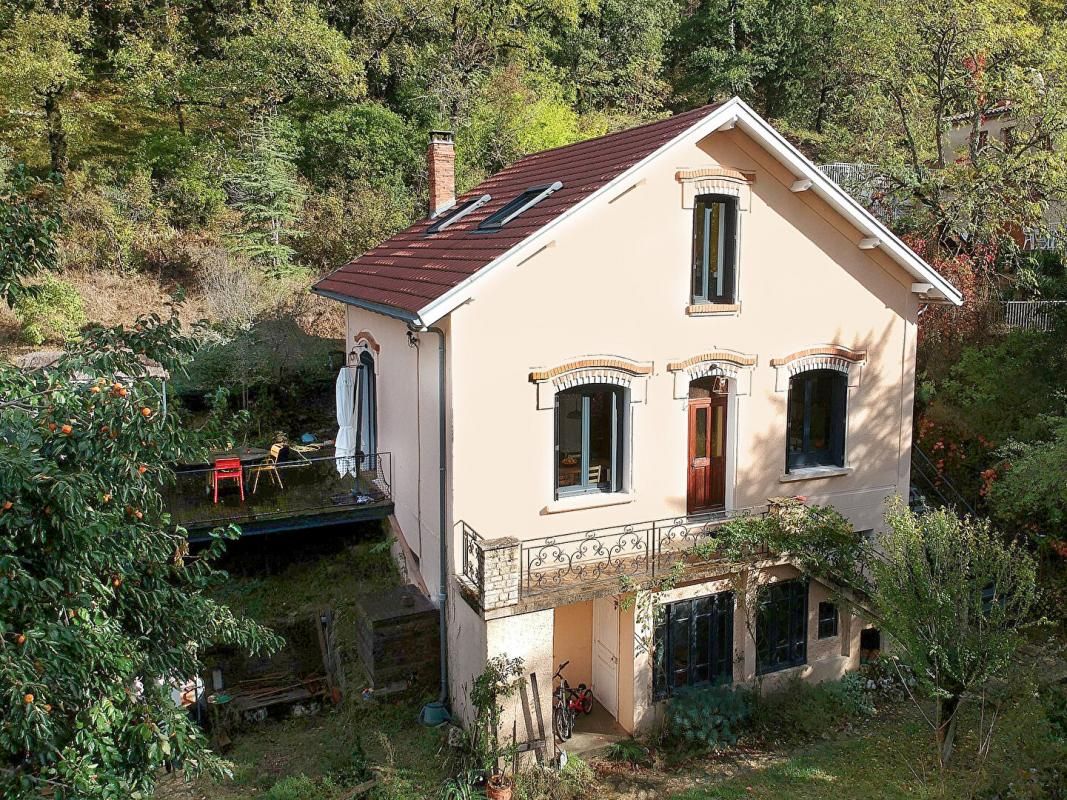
point(694, 642)
point(782, 626)
point(827, 620)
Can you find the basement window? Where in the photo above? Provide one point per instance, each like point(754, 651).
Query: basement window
point(512, 209)
point(456, 213)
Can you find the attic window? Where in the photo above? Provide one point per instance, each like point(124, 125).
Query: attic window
point(528, 199)
point(457, 213)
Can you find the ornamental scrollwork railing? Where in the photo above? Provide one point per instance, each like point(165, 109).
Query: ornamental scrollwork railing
point(639, 550)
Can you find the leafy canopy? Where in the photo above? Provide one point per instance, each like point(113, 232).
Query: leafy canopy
point(102, 606)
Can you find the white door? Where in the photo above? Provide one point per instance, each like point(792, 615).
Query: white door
point(606, 653)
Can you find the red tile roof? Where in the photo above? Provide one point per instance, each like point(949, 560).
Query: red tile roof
point(412, 269)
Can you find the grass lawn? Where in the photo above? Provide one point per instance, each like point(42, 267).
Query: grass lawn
point(890, 757)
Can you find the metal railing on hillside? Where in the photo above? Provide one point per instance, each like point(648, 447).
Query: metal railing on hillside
point(1034, 315)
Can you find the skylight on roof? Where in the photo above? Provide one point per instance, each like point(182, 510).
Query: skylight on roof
point(456, 213)
point(512, 209)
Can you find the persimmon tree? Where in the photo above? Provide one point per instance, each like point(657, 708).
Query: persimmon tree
point(102, 606)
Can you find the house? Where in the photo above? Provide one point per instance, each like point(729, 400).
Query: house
point(602, 352)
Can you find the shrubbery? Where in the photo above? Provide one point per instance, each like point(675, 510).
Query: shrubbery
point(716, 717)
point(52, 311)
point(798, 710)
point(708, 719)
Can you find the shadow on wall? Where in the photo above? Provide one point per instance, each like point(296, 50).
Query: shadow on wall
point(872, 439)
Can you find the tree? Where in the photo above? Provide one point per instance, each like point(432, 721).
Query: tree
point(41, 64)
point(28, 228)
point(102, 606)
point(614, 55)
point(266, 190)
point(953, 597)
point(1028, 489)
point(950, 593)
point(514, 114)
point(774, 53)
point(914, 71)
point(160, 63)
point(284, 52)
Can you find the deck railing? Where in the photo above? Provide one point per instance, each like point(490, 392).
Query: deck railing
point(1035, 315)
point(308, 486)
point(600, 555)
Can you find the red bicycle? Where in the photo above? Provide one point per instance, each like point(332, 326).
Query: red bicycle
point(567, 702)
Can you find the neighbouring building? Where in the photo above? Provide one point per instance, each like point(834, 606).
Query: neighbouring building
point(1000, 128)
point(642, 335)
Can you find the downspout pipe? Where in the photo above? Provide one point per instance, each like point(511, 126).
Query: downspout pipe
point(437, 712)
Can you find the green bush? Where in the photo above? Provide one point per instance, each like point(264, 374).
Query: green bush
point(52, 311)
point(299, 787)
point(851, 695)
point(366, 141)
point(631, 752)
point(799, 711)
point(707, 719)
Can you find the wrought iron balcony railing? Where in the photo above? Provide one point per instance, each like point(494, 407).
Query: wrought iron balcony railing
point(295, 489)
point(638, 551)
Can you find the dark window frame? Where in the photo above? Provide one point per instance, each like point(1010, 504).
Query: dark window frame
point(829, 619)
point(809, 456)
point(707, 663)
point(614, 482)
point(367, 404)
point(782, 626)
point(516, 206)
point(700, 292)
point(450, 216)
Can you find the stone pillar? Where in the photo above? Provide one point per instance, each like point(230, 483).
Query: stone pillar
point(498, 567)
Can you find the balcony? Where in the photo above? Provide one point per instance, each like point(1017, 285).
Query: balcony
point(302, 493)
point(548, 571)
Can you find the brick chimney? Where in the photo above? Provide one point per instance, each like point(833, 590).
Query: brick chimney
point(441, 160)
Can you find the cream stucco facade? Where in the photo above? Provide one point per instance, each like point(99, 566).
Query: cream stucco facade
point(606, 299)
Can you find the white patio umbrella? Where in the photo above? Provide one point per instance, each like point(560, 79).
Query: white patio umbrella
point(347, 440)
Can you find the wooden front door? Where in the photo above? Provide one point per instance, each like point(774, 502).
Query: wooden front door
point(707, 453)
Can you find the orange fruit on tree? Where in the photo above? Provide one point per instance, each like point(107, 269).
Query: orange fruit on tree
point(116, 582)
point(146, 412)
point(51, 426)
point(94, 389)
point(21, 639)
point(138, 514)
point(142, 469)
point(8, 505)
point(107, 498)
point(47, 708)
point(122, 392)
point(27, 698)
point(66, 430)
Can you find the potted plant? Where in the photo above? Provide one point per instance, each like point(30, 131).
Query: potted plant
point(501, 680)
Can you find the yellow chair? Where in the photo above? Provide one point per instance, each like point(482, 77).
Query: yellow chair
point(269, 465)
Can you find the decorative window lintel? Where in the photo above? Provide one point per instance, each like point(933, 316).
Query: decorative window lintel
point(364, 340)
point(716, 180)
point(724, 363)
point(836, 357)
point(613, 370)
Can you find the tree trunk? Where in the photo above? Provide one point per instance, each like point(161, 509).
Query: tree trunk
point(179, 110)
point(947, 715)
point(57, 136)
